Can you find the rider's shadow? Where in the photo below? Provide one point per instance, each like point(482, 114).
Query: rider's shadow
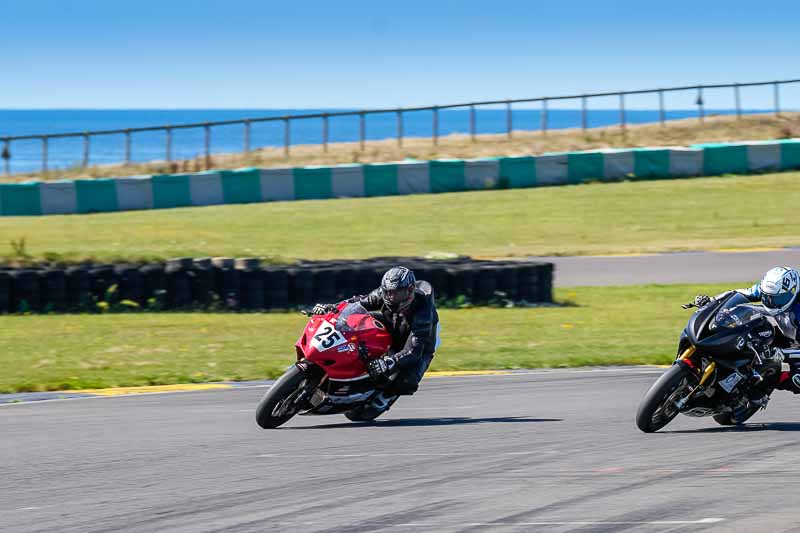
point(769, 426)
point(422, 422)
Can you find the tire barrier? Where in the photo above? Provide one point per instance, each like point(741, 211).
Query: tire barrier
point(78, 288)
point(53, 285)
point(5, 292)
point(244, 284)
point(25, 294)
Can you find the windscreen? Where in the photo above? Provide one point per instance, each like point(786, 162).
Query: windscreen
point(354, 318)
point(738, 311)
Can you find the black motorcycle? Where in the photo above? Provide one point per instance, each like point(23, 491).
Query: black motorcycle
point(726, 366)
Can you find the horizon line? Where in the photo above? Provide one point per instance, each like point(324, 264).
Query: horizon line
point(376, 110)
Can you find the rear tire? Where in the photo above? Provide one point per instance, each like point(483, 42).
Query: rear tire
point(289, 382)
point(363, 414)
point(726, 419)
point(367, 413)
point(654, 411)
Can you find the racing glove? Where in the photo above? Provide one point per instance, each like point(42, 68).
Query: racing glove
point(323, 309)
point(380, 368)
point(699, 301)
point(702, 300)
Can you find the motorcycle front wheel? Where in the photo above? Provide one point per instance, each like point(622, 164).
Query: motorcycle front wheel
point(657, 409)
point(276, 407)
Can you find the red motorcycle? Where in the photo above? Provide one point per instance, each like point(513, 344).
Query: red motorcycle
point(330, 375)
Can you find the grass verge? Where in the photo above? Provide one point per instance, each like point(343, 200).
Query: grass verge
point(605, 326)
point(598, 218)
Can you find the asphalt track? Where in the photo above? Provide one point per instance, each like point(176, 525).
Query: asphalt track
point(686, 267)
point(541, 451)
point(551, 451)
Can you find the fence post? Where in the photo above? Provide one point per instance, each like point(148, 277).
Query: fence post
point(472, 122)
point(622, 110)
point(362, 129)
point(325, 132)
point(44, 153)
point(168, 131)
point(700, 103)
point(286, 136)
point(207, 128)
point(662, 116)
point(85, 150)
point(544, 115)
point(127, 147)
point(738, 100)
point(247, 136)
point(399, 127)
point(509, 119)
point(777, 99)
point(435, 126)
point(583, 113)
point(6, 156)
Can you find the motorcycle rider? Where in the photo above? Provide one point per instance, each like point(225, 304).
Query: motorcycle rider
point(408, 310)
point(778, 292)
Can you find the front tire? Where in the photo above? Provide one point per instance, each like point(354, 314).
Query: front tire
point(272, 411)
point(657, 408)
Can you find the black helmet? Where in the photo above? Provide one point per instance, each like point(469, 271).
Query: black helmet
point(397, 286)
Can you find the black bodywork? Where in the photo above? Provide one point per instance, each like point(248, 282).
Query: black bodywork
point(737, 337)
point(705, 332)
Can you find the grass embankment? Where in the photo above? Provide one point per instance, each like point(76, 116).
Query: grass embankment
point(650, 216)
point(604, 326)
point(676, 132)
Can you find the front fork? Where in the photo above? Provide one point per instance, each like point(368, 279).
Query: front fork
point(685, 360)
point(315, 378)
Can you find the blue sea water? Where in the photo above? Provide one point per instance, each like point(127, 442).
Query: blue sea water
point(26, 155)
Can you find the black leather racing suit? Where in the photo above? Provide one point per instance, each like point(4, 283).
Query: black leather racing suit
point(414, 333)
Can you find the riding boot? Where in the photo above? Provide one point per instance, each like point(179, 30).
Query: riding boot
point(790, 381)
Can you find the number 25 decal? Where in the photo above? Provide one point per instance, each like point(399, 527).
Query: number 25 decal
point(326, 337)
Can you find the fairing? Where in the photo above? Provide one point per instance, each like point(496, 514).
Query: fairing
point(721, 329)
point(331, 341)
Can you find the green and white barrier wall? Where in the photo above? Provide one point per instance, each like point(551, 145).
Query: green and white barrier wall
point(384, 179)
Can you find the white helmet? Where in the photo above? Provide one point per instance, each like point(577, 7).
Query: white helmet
point(779, 289)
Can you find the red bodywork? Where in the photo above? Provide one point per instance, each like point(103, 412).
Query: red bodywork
point(331, 341)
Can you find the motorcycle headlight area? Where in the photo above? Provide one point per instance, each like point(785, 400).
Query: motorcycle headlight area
point(737, 316)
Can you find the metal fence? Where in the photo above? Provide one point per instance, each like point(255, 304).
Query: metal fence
point(247, 123)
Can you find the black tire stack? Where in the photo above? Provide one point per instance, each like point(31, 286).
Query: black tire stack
point(53, 287)
point(79, 287)
point(226, 279)
point(5, 292)
point(203, 286)
point(245, 284)
point(276, 287)
point(25, 295)
point(250, 286)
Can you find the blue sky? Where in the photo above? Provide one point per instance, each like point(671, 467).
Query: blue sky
point(309, 54)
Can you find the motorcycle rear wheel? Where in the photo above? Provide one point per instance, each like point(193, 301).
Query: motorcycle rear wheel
point(655, 411)
point(270, 412)
point(726, 419)
point(367, 413)
point(363, 414)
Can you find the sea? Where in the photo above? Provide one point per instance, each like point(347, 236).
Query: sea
point(26, 155)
